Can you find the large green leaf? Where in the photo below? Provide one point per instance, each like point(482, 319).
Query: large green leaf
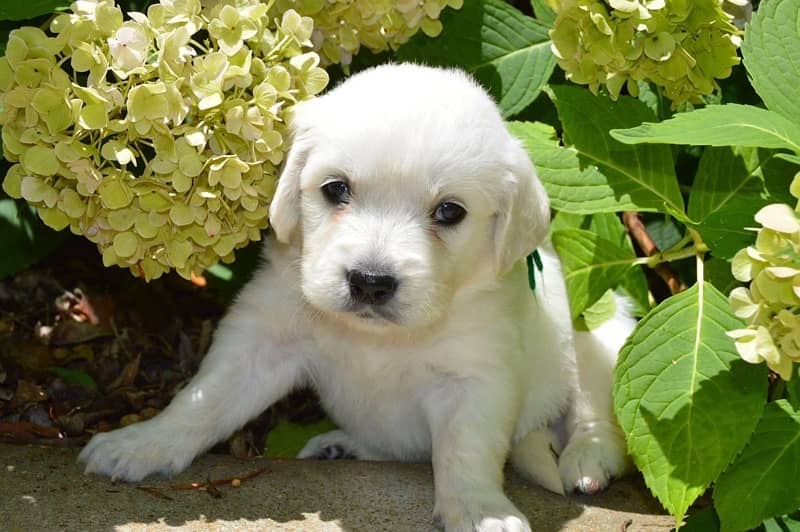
point(591, 264)
point(21, 10)
point(543, 12)
point(762, 482)
point(508, 52)
point(609, 227)
point(730, 186)
point(718, 125)
point(572, 187)
point(771, 51)
point(626, 177)
point(718, 272)
point(634, 283)
point(684, 398)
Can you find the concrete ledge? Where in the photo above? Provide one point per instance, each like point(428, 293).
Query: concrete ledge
point(44, 489)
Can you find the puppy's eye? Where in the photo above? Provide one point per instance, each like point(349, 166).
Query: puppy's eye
point(449, 213)
point(336, 192)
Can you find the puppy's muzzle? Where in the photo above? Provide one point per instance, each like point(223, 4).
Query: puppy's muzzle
point(371, 288)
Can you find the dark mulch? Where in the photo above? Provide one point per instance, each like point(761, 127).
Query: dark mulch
point(84, 348)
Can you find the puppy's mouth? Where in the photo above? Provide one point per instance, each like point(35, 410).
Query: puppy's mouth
point(372, 313)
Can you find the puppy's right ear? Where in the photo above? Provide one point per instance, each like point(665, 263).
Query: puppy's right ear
point(284, 210)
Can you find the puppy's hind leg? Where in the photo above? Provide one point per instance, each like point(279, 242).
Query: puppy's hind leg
point(596, 451)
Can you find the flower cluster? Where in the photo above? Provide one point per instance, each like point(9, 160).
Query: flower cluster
point(156, 137)
point(680, 45)
point(771, 304)
point(342, 27)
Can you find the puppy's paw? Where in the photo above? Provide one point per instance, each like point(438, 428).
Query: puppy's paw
point(479, 514)
point(594, 455)
point(136, 451)
point(333, 445)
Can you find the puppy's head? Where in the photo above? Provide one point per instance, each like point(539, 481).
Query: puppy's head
point(404, 188)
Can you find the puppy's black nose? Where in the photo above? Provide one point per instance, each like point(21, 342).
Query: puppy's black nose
point(371, 288)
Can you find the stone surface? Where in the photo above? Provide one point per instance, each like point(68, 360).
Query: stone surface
point(43, 489)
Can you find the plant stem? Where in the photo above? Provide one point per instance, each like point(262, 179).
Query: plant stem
point(667, 256)
point(700, 268)
point(655, 258)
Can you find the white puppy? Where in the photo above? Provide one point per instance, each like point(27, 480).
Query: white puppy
point(398, 290)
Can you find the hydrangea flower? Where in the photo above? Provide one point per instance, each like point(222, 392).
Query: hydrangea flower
point(128, 48)
point(158, 137)
point(681, 45)
point(770, 306)
point(342, 27)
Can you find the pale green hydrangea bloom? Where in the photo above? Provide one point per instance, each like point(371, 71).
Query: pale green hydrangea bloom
point(770, 306)
point(682, 46)
point(158, 137)
point(342, 27)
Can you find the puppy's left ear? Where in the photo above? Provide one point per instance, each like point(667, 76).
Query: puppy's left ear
point(284, 209)
point(524, 217)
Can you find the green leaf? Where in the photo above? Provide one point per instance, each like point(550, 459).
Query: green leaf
point(25, 240)
point(771, 50)
point(571, 186)
point(608, 226)
point(287, 438)
point(718, 272)
point(508, 52)
point(761, 483)
point(12, 10)
point(543, 12)
point(784, 523)
point(627, 177)
point(793, 393)
point(591, 264)
point(705, 520)
point(72, 376)
point(718, 125)
point(730, 186)
point(599, 312)
point(664, 231)
point(794, 159)
point(685, 400)
point(634, 283)
point(567, 220)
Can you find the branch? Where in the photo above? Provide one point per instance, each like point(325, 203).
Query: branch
point(638, 231)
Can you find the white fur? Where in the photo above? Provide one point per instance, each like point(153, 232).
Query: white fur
point(464, 366)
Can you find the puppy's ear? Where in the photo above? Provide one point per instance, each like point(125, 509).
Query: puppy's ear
point(284, 210)
point(524, 217)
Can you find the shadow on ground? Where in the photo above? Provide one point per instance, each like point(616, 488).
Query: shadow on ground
point(44, 489)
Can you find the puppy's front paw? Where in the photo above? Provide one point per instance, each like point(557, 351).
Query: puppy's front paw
point(136, 451)
point(333, 445)
point(480, 514)
point(594, 455)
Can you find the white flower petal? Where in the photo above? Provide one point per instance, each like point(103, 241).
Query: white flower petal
point(778, 217)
